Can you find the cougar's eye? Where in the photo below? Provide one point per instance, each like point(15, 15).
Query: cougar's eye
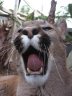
point(46, 28)
point(18, 44)
point(45, 42)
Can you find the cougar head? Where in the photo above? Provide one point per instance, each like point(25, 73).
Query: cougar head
point(34, 43)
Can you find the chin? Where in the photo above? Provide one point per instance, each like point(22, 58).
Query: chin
point(37, 80)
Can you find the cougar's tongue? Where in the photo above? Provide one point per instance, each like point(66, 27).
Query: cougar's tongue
point(34, 63)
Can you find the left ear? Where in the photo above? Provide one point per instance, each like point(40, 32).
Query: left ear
point(62, 27)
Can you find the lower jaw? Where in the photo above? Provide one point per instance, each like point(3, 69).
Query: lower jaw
point(41, 72)
point(36, 73)
point(36, 80)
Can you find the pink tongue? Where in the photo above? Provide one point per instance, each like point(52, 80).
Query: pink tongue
point(34, 63)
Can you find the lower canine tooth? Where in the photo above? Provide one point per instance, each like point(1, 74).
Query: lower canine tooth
point(29, 70)
point(41, 70)
point(37, 72)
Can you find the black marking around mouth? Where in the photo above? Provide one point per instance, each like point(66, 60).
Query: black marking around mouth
point(44, 42)
point(43, 53)
point(18, 44)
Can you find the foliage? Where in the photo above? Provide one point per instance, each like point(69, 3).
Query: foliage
point(70, 9)
point(30, 16)
point(25, 9)
point(65, 12)
point(41, 17)
point(68, 38)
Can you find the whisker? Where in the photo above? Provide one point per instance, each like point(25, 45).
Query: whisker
point(3, 54)
point(44, 53)
point(44, 63)
point(47, 52)
point(3, 46)
point(44, 56)
point(4, 51)
point(58, 71)
point(12, 49)
point(39, 53)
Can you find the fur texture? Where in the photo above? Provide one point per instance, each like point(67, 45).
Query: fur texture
point(57, 80)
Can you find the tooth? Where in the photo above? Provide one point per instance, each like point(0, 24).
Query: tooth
point(41, 70)
point(38, 72)
point(29, 70)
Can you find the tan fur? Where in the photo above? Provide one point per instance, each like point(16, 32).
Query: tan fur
point(60, 79)
point(59, 82)
point(8, 85)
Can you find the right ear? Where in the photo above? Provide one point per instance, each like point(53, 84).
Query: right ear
point(62, 27)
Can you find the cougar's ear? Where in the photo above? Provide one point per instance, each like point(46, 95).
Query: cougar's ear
point(62, 27)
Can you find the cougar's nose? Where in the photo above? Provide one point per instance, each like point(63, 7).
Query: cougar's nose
point(30, 32)
point(33, 32)
point(30, 35)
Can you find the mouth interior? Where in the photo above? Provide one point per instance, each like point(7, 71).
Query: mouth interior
point(35, 61)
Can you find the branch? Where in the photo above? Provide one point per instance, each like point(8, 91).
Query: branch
point(51, 16)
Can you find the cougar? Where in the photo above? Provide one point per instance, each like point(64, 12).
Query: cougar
point(42, 54)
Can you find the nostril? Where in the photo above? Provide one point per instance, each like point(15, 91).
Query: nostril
point(30, 36)
point(25, 32)
point(35, 31)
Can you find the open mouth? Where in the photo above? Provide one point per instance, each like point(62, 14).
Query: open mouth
point(35, 61)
